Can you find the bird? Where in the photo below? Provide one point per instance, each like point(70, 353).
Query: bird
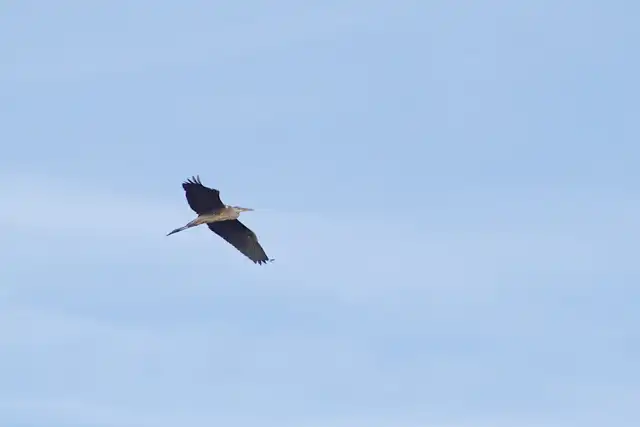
point(221, 219)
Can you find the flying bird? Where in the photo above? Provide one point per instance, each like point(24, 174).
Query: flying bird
point(221, 219)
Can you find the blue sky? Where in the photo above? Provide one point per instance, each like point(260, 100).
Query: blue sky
point(450, 191)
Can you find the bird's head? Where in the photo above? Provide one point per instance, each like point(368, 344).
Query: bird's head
point(241, 209)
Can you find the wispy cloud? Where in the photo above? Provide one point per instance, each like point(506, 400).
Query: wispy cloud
point(405, 251)
point(418, 280)
point(103, 371)
point(228, 33)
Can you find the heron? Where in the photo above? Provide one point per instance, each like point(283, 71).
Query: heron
point(221, 219)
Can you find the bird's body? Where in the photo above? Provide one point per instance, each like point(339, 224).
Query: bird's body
point(221, 219)
point(225, 213)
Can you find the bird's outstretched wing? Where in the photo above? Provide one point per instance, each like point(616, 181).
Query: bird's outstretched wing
point(242, 238)
point(200, 198)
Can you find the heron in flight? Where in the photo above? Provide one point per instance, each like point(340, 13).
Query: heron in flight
point(221, 219)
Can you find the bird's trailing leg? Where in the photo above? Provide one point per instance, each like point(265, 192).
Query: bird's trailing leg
point(189, 225)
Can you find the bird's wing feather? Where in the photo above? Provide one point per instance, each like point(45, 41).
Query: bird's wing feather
point(200, 198)
point(242, 238)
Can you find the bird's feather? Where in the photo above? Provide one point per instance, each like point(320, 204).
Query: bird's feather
point(200, 198)
point(242, 238)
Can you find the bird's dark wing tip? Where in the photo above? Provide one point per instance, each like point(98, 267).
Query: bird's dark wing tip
point(193, 180)
point(264, 261)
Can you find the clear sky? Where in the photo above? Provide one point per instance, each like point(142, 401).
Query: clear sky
point(449, 189)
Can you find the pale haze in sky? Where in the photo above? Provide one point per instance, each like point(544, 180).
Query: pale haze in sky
point(449, 190)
